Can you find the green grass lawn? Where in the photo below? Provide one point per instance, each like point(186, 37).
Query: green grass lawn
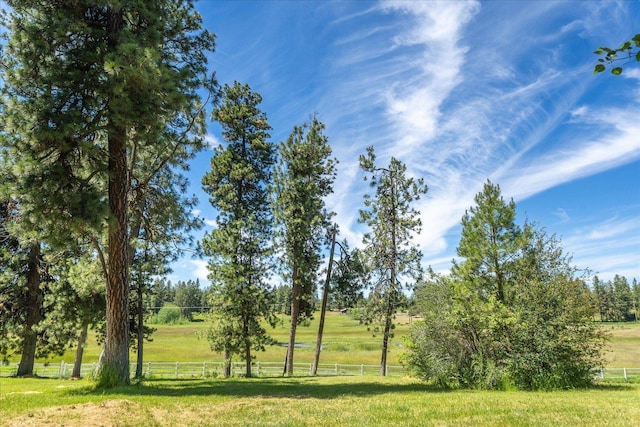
point(307, 401)
point(312, 401)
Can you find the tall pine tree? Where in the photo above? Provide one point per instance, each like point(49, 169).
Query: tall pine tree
point(86, 87)
point(238, 246)
point(489, 244)
point(393, 222)
point(303, 178)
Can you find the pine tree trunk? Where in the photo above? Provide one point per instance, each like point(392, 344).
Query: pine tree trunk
point(295, 311)
point(325, 298)
point(387, 333)
point(116, 356)
point(34, 314)
point(392, 279)
point(116, 346)
point(140, 353)
point(226, 364)
point(77, 363)
point(247, 348)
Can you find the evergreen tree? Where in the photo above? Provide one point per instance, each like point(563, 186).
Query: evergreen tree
point(239, 246)
point(483, 285)
point(635, 297)
point(599, 294)
point(162, 291)
point(88, 87)
point(608, 302)
point(44, 306)
point(303, 177)
point(25, 282)
point(515, 310)
point(161, 221)
point(392, 222)
point(623, 303)
point(188, 298)
point(348, 279)
point(81, 282)
point(281, 295)
point(489, 244)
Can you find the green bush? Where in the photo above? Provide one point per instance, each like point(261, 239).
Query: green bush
point(169, 314)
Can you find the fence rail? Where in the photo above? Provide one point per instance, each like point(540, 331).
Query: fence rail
point(182, 370)
point(178, 370)
point(618, 373)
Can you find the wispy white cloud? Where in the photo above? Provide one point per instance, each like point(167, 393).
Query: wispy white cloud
point(632, 73)
point(413, 102)
point(460, 110)
point(612, 246)
point(457, 92)
point(211, 140)
point(562, 215)
point(617, 144)
point(615, 227)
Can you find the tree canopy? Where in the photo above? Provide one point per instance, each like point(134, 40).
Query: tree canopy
point(239, 247)
point(392, 221)
point(89, 92)
point(303, 177)
point(514, 310)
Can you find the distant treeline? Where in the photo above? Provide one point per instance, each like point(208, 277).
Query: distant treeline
point(191, 297)
point(616, 300)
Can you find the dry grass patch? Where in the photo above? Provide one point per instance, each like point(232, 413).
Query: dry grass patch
point(110, 413)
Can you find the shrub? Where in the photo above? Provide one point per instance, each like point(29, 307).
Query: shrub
point(169, 314)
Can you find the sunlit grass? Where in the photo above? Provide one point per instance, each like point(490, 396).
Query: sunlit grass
point(345, 341)
point(624, 348)
point(307, 401)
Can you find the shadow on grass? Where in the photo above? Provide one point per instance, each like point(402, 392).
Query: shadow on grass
point(297, 388)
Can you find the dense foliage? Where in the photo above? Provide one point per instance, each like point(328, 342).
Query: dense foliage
point(302, 179)
point(239, 246)
point(98, 100)
point(390, 255)
point(513, 311)
point(616, 300)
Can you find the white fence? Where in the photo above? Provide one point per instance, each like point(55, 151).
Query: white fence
point(185, 370)
point(618, 373)
point(208, 369)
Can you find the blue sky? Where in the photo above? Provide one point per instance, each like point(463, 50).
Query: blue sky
point(461, 92)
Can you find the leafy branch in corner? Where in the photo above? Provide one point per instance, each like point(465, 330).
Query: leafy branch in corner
point(629, 50)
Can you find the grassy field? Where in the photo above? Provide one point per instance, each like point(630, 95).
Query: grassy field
point(624, 348)
point(312, 401)
point(307, 401)
point(345, 341)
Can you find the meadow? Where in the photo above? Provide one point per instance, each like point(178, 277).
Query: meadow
point(312, 401)
point(307, 401)
point(345, 341)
